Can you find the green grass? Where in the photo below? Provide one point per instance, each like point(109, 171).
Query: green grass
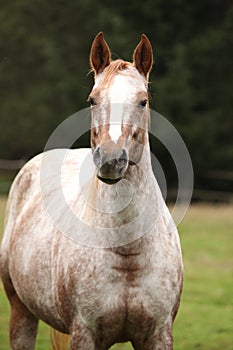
point(205, 318)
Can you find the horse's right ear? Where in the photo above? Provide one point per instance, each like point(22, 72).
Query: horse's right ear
point(100, 54)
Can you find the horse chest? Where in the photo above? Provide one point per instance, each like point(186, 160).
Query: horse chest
point(122, 291)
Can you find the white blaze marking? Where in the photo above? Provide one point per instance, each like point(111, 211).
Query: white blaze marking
point(115, 132)
point(119, 94)
point(122, 92)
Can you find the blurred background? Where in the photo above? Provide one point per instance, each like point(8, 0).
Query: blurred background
point(44, 65)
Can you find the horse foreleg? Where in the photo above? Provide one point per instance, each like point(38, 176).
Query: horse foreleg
point(160, 340)
point(23, 324)
point(81, 338)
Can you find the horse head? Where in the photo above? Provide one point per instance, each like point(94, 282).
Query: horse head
point(119, 105)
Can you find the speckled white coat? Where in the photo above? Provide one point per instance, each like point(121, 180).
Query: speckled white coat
point(100, 295)
point(101, 263)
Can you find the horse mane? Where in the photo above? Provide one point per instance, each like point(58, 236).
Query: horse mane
point(116, 67)
point(92, 187)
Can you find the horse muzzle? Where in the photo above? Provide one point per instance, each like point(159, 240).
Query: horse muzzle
point(111, 166)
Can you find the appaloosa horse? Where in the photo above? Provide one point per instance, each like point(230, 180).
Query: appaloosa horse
point(126, 286)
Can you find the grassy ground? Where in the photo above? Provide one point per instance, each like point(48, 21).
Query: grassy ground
point(205, 319)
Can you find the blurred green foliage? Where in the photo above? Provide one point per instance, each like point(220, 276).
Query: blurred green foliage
point(44, 61)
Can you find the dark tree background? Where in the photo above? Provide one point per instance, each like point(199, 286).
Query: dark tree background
point(44, 61)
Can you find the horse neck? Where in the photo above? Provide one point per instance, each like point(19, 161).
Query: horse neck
point(141, 175)
point(123, 198)
point(127, 209)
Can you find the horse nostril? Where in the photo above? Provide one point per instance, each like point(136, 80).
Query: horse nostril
point(123, 155)
point(123, 159)
point(97, 157)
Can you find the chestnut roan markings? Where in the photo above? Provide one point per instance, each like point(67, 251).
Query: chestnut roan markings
point(127, 286)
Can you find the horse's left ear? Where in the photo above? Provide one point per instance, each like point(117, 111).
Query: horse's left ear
point(143, 56)
point(100, 55)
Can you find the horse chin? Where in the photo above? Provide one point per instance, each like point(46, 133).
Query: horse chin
point(108, 181)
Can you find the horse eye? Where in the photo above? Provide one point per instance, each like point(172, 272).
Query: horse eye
point(143, 103)
point(91, 100)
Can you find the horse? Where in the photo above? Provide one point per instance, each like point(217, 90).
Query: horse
point(120, 278)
